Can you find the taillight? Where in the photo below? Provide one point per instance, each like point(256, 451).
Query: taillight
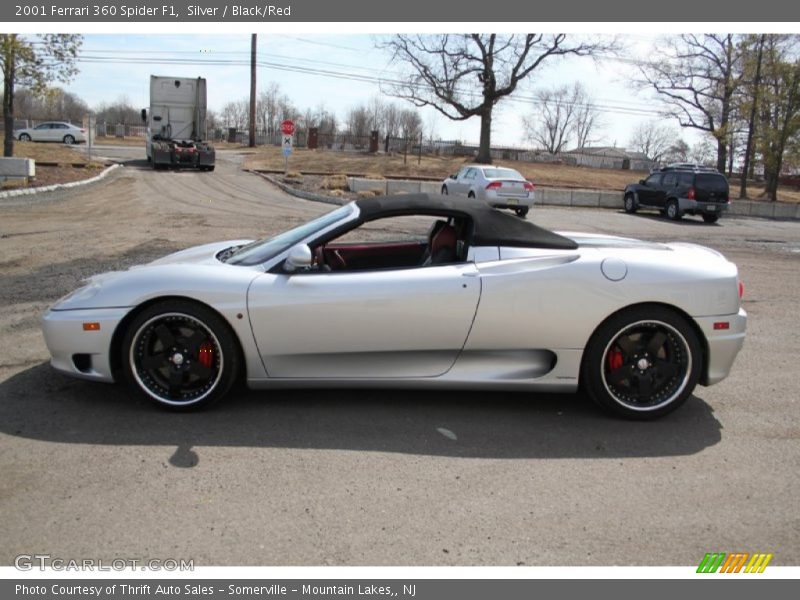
point(690, 195)
point(529, 187)
point(741, 290)
point(495, 185)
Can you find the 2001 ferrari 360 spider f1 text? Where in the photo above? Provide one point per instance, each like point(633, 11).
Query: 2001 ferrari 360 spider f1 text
point(412, 290)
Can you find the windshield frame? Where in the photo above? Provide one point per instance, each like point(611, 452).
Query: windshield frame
point(260, 253)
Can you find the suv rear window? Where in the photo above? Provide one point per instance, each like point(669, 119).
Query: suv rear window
point(711, 182)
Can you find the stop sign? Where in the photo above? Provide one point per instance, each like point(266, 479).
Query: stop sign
point(287, 127)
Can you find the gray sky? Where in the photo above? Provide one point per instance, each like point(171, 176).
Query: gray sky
point(339, 71)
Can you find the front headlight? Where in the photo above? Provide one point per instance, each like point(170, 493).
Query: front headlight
point(80, 295)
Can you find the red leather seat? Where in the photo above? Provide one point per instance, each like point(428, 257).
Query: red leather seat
point(443, 246)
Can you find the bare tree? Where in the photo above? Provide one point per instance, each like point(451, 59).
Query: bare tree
point(358, 121)
point(779, 108)
point(703, 152)
point(652, 139)
point(678, 152)
point(552, 125)
point(410, 124)
point(587, 118)
point(697, 77)
point(754, 59)
point(33, 62)
point(464, 76)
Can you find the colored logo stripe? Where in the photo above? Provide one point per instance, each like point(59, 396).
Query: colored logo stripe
point(735, 562)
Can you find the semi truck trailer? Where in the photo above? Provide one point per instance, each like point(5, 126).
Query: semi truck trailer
point(176, 124)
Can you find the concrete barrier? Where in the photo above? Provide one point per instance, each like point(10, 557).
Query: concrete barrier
point(740, 207)
point(577, 198)
point(586, 198)
point(762, 209)
point(17, 168)
point(611, 200)
point(358, 184)
point(784, 211)
point(402, 187)
point(430, 187)
point(553, 197)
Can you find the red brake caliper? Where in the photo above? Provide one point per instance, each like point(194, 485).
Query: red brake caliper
point(615, 360)
point(206, 354)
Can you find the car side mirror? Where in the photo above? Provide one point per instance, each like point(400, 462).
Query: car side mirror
point(144, 115)
point(642, 182)
point(453, 177)
point(299, 257)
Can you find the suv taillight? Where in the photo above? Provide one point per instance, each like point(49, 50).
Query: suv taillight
point(690, 194)
point(495, 185)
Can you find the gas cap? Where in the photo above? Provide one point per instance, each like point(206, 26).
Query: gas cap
point(614, 269)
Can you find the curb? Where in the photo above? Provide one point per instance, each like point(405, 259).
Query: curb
point(57, 186)
point(301, 193)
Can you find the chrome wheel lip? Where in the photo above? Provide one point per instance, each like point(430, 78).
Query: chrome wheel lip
point(686, 376)
point(135, 368)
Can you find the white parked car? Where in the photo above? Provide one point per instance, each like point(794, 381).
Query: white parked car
point(482, 301)
point(500, 187)
point(52, 131)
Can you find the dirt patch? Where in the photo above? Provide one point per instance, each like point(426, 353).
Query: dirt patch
point(436, 168)
point(66, 166)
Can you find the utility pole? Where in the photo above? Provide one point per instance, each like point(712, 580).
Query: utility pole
point(253, 44)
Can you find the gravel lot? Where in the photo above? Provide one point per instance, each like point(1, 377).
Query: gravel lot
point(377, 477)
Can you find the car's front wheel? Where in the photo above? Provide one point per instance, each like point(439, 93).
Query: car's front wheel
point(69, 140)
point(24, 137)
point(444, 190)
point(630, 204)
point(642, 362)
point(180, 354)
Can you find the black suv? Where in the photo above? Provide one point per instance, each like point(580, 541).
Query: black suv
point(681, 189)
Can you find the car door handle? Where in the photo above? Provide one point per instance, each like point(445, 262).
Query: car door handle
point(470, 274)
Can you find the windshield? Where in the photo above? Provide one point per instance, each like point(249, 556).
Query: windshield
point(502, 174)
point(263, 250)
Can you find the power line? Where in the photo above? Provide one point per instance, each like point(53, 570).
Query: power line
point(607, 107)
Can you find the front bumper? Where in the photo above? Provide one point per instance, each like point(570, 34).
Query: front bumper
point(723, 344)
point(80, 353)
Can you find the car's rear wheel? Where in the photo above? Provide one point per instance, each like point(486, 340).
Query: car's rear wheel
point(642, 363)
point(69, 140)
point(673, 210)
point(444, 190)
point(630, 204)
point(180, 354)
point(471, 195)
point(522, 212)
point(710, 218)
point(24, 137)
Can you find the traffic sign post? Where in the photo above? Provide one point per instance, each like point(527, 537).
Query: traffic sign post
point(287, 146)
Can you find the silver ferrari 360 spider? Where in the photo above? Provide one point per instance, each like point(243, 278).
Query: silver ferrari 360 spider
point(412, 291)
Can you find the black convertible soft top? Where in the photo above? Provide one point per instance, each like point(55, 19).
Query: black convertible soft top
point(491, 227)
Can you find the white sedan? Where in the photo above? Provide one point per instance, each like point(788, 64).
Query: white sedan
point(500, 187)
point(52, 131)
point(412, 291)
